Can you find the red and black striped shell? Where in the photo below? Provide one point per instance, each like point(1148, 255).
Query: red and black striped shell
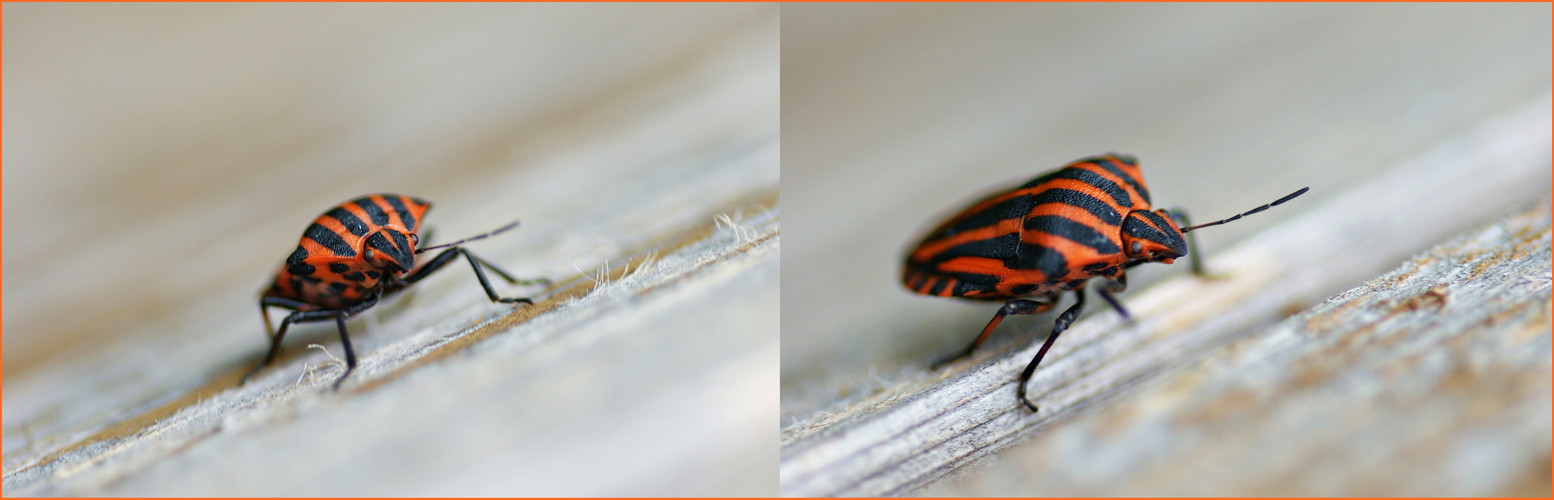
point(351, 251)
point(1085, 220)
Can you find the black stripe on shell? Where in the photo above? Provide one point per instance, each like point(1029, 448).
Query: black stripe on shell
point(295, 264)
point(324, 236)
point(1005, 248)
point(1014, 253)
point(1074, 231)
point(404, 245)
point(398, 204)
point(349, 220)
point(374, 211)
point(968, 282)
point(1095, 180)
point(1091, 204)
point(1050, 262)
point(937, 287)
point(1138, 187)
point(1013, 208)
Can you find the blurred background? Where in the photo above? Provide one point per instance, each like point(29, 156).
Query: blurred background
point(897, 116)
point(160, 160)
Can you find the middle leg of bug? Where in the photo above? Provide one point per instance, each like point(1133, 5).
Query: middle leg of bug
point(1062, 323)
point(1017, 306)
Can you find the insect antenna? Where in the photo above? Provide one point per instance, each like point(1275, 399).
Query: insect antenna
point(480, 237)
point(1288, 197)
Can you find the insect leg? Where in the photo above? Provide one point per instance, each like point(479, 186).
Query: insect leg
point(264, 311)
point(350, 354)
point(504, 275)
point(275, 340)
point(432, 266)
point(1017, 306)
point(475, 264)
point(1180, 216)
point(1061, 324)
point(309, 316)
point(443, 258)
point(1115, 286)
point(345, 339)
point(265, 303)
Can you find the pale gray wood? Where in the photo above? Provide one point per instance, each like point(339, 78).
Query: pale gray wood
point(925, 425)
point(162, 159)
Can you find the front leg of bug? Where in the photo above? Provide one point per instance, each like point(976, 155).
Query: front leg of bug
point(1179, 215)
point(442, 260)
point(1017, 306)
point(1062, 323)
point(1111, 287)
point(510, 279)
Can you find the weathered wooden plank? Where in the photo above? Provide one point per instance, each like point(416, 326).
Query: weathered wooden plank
point(162, 159)
point(926, 425)
point(1431, 380)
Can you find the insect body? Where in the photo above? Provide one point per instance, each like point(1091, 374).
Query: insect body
point(1028, 245)
point(354, 255)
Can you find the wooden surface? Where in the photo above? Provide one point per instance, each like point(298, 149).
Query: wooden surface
point(1411, 123)
point(929, 425)
point(1431, 380)
point(162, 159)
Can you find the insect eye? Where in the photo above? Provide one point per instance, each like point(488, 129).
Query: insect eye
point(369, 254)
point(1137, 247)
point(415, 240)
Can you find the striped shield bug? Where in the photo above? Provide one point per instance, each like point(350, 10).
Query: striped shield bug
point(1027, 245)
point(354, 255)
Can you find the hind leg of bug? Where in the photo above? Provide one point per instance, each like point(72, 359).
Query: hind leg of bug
point(448, 255)
point(1065, 319)
point(1017, 306)
point(265, 303)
